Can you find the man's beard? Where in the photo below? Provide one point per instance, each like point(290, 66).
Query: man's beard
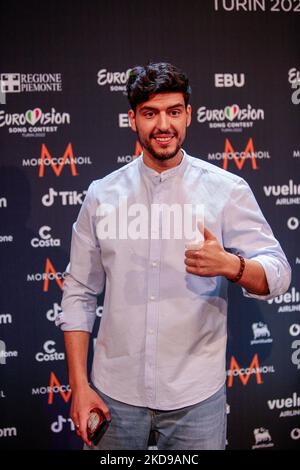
point(167, 155)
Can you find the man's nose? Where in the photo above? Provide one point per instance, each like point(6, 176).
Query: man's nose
point(163, 122)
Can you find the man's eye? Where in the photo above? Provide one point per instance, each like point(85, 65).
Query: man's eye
point(175, 112)
point(149, 114)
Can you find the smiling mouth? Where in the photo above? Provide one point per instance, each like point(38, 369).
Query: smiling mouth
point(163, 139)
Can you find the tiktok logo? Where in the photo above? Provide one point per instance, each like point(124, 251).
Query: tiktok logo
point(67, 198)
point(57, 426)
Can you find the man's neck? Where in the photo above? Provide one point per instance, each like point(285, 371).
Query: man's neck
point(162, 165)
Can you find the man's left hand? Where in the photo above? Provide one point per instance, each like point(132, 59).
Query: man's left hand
point(211, 259)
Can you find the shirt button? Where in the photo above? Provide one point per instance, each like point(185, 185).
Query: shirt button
point(154, 264)
point(151, 332)
point(152, 297)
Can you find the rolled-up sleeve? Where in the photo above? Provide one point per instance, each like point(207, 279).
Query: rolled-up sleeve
point(85, 275)
point(245, 230)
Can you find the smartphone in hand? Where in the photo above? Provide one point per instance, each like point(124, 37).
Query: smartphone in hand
point(97, 425)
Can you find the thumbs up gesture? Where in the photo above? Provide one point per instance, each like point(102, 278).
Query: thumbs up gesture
point(209, 258)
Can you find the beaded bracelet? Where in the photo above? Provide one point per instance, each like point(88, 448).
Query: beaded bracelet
point(242, 267)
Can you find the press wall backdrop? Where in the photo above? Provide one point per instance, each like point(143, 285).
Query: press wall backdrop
point(63, 123)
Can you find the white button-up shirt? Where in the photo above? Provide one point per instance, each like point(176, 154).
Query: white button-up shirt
point(162, 337)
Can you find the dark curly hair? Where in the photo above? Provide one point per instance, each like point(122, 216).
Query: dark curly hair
point(144, 81)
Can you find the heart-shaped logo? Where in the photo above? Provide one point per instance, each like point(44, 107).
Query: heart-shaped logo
point(33, 115)
point(232, 111)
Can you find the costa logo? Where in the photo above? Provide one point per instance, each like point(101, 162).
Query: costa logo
point(45, 239)
point(49, 353)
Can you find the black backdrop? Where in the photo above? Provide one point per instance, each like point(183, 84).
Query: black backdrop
point(63, 67)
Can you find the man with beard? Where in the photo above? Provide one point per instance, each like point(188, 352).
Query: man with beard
point(159, 361)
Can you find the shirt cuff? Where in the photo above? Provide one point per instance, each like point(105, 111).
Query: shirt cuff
point(278, 276)
point(75, 321)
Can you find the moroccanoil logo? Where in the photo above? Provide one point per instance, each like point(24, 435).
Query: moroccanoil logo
point(244, 373)
point(48, 275)
point(67, 158)
point(129, 158)
point(51, 273)
point(239, 161)
point(239, 157)
point(56, 387)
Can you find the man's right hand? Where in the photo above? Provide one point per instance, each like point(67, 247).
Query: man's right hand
point(84, 398)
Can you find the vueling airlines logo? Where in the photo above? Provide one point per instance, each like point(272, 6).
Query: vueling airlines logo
point(244, 373)
point(68, 157)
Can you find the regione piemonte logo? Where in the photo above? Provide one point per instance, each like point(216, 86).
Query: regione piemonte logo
point(10, 83)
point(30, 82)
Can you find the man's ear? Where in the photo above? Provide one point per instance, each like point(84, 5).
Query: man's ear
point(189, 115)
point(131, 116)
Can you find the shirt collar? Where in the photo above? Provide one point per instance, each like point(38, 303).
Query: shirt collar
point(156, 176)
